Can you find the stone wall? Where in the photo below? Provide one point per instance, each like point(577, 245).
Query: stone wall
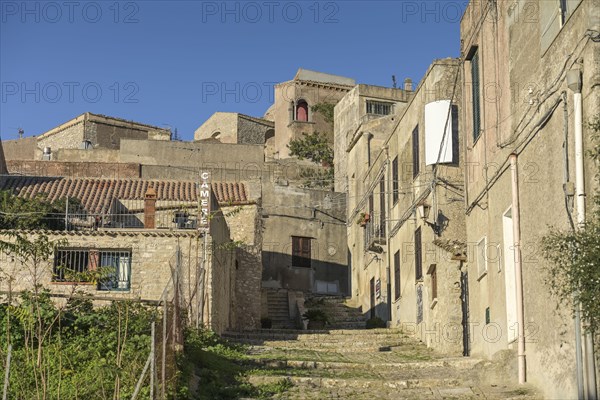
point(153, 264)
point(252, 131)
point(221, 277)
point(20, 149)
point(102, 131)
point(244, 225)
point(222, 126)
point(74, 169)
point(68, 136)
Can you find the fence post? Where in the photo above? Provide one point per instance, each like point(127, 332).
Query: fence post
point(152, 363)
point(163, 372)
point(138, 386)
point(7, 373)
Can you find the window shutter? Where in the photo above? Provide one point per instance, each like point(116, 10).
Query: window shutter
point(397, 275)
point(418, 256)
point(415, 151)
point(395, 180)
point(438, 134)
point(476, 96)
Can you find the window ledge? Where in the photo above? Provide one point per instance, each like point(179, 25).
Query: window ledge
point(74, 283)
point(301, 123)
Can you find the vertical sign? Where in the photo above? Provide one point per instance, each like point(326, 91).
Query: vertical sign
point(204, 200)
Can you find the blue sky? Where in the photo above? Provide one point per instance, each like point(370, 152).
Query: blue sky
point(175, 63)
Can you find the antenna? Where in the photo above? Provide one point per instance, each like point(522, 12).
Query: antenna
point(20, 131)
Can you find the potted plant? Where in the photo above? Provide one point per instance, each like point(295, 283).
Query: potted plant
point(317, 319)
point(363, 219)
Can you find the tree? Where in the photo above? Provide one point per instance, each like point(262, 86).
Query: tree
point(35, 213)
point(574, 268)
point(316, 147)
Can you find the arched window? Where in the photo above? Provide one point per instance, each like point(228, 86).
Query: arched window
point(302, 111)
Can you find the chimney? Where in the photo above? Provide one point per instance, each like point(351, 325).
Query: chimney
point(150, 208)
point(408, 85)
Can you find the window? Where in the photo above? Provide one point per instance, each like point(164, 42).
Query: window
point(71, 265)
point(302, 111)
point(377, 107)
point(395, 183)
point(397, 275)
point(433, 273)
point(418, 256)
point(415, 151)
point(481, 258)
point(382, 207)
point(113, 267)
point(476, 96)
point(118, 266)
point(301, 253)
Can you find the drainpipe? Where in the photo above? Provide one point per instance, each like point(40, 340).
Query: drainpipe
point(568, 188)
point(518, 268)
point(388, 216)
point(574, 83)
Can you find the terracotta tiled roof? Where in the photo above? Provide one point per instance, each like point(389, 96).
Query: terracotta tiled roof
point(96, 194)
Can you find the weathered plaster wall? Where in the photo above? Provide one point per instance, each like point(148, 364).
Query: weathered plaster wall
point(319, 215)
point(527, 73)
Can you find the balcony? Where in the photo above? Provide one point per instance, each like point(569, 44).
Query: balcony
point(375, 234)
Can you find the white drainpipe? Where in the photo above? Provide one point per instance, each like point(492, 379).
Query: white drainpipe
point(518, 269)
point(574, 83)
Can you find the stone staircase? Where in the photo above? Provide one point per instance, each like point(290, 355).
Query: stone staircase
point(367, 364)
point(278, 308)
point(341, 315)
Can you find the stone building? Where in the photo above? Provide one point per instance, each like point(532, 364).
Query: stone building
point(87, 131)
point(360, 105)
point(406, 236)
point(302, 250)
point(148, 230)
point(524, 63)
point(227, 127)
point(292, 108)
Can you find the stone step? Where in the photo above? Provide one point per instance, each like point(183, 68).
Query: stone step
point(331, 332)
point(358, 383)
point(462, 363)
point(310, 337)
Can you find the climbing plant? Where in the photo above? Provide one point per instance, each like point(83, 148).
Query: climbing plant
point(573, 273)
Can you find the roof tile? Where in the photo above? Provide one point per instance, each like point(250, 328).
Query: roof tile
point(96, 194)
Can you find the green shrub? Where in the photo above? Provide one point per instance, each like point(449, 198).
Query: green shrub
point(375, 322)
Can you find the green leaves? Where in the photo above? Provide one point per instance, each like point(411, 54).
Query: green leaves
point(35, 213)
point(317, 149)
point(573, 273)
